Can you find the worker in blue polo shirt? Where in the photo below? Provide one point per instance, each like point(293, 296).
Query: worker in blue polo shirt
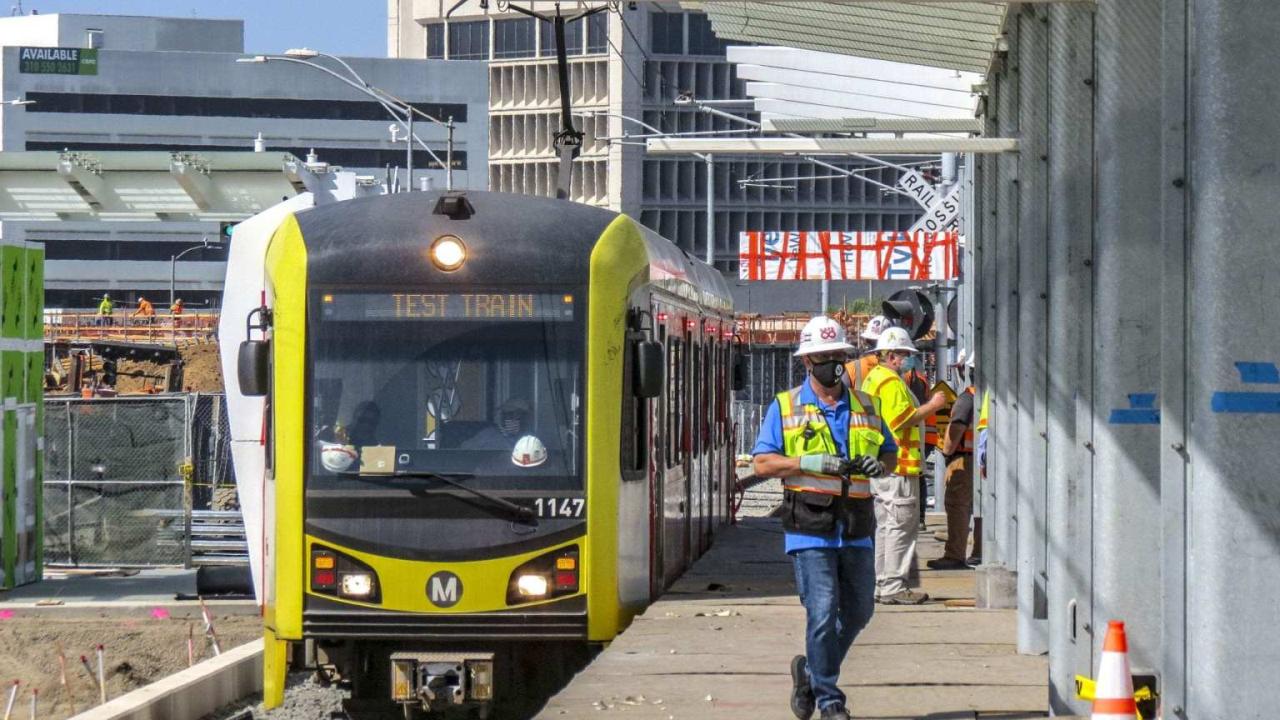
point(825, 441)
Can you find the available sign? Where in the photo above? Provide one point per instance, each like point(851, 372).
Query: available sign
point(818, 255)
point(58, 61)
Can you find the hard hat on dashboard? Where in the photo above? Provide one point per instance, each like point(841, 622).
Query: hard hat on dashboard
point(529, 452)
point(336, 457)
point(822, 334)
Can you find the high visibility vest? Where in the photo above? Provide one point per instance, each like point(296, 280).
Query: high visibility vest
point(856, 370)
point(805, 432)
point(967, 443)
point(986, 410)
point(896, 409)
point(916, 379)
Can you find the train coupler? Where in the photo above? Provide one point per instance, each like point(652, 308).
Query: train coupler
point(438, 681)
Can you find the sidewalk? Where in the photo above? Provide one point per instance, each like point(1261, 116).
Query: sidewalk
point(719, 643)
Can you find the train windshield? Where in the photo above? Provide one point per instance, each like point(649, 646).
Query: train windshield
point(482, 386)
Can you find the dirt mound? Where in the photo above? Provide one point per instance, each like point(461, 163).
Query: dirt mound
point(138, 652)
point(202, 368)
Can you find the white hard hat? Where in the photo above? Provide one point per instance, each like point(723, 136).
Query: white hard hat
point(337, 458)
point(960, 358)
point(875, 326)
point(972, 361)
point(822, 334)
point(529, 452)
point(895, 338)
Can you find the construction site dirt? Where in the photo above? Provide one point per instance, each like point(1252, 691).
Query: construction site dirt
point(136, 651)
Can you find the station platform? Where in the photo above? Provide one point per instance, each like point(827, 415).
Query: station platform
point(719, 643)
point(108, 593)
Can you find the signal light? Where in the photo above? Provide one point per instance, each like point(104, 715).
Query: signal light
point(566, 563)
point(226, 229)
point(325, 562)
point(323, 578)
point(662, 317)
point(566, 579)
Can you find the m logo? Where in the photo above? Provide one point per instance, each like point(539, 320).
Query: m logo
point(444, 589)
point(828, 333)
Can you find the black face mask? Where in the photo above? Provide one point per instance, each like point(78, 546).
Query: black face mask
point(828, 373)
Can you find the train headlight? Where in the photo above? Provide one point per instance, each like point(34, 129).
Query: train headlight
point(549, 576)
point(358, 585)
point(448, 253)
point(532, 586)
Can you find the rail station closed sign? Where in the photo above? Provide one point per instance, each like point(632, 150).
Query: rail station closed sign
point(58, 61)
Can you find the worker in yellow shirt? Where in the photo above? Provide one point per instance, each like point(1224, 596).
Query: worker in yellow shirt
point(897, 495)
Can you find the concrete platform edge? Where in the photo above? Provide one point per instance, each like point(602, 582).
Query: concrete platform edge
point(191, 693)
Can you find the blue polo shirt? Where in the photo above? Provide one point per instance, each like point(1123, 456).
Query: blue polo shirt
point(837, 416)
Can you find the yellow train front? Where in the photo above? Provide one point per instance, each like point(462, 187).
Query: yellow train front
point(498, 427)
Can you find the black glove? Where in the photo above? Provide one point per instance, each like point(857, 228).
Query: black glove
point(823, 464)
point(864, 465)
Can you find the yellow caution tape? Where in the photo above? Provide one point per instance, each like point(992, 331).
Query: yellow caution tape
point(1087, 689)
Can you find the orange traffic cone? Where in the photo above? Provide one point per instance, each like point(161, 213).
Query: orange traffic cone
point(1114, 698)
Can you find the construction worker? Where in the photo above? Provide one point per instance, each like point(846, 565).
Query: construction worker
point(175, 311)
point(510, 423)
point(984, 416)
point(825, 442)
point(958, 448)
point(856, 369)
point(897, 495)
point(105, 308)
point(145, 310)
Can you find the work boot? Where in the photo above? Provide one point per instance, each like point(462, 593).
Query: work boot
point(947, 564)
point(906, 597)
point(974, 561)
point(802, 699)
point(835, 711)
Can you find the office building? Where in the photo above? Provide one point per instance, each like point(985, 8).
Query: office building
point(100, 83)
point(626, 66)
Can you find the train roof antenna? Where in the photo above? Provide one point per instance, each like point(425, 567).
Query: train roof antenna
point(569, 140)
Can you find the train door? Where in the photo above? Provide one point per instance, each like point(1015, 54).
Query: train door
point(657, 473)
point(675, 486)
point(706, 458)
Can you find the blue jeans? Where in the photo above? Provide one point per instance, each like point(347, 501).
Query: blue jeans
point(837, 589)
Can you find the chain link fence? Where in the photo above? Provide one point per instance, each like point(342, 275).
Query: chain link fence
point(126, 478)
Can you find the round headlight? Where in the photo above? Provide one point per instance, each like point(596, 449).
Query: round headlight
point(448, 253)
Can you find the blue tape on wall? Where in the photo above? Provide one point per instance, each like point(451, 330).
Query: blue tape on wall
point(1245, 402)
point(1259, 372)
point(1142, 410)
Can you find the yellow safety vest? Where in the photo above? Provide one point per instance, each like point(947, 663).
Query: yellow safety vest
point(805, 432)
point(986, 409)
point(897, 403)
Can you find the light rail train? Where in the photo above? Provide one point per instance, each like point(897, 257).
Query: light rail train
point(497, 427)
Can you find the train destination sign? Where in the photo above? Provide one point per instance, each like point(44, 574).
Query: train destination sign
point(58, 60)
point(426, 307)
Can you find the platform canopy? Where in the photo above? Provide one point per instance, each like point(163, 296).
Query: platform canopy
point(950, 34)
point(129, 185)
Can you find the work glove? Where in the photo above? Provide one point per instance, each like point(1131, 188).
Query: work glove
point(822, 464)
point(865, 465)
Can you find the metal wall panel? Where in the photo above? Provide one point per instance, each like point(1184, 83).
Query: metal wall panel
point(1232, 529)
point(1032, 337)
point(1126, 324)
point(1069, 476)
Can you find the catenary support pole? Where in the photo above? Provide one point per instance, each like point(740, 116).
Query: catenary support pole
point(1127, 319)
point(1070, 240)
point(710, 163)
point(408, 153)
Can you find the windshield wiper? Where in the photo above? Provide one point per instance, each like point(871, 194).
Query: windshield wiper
point(519, 512)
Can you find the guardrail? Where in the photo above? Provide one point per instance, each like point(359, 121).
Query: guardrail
point(124, 327)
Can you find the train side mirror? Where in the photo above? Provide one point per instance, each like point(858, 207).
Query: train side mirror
point(648, 365)
point(253, 367)
point(739, 372)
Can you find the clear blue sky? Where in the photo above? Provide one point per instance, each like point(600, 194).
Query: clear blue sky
point(341, 27)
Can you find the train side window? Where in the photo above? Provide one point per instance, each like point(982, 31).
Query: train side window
point(695, 389)
point(676, 386)
point(635, 425)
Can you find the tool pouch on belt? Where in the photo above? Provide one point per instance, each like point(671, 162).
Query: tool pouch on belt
point(809, 513)
point(816, 514)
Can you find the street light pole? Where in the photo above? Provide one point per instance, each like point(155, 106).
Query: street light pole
point(173, 266)
point(389, 102)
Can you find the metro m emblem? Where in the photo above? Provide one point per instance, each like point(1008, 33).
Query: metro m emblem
point(444, 589)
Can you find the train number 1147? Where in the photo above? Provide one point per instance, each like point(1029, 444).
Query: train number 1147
point(559, 507)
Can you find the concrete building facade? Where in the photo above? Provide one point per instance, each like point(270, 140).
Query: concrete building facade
point(146, 83)
point(626, 65)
